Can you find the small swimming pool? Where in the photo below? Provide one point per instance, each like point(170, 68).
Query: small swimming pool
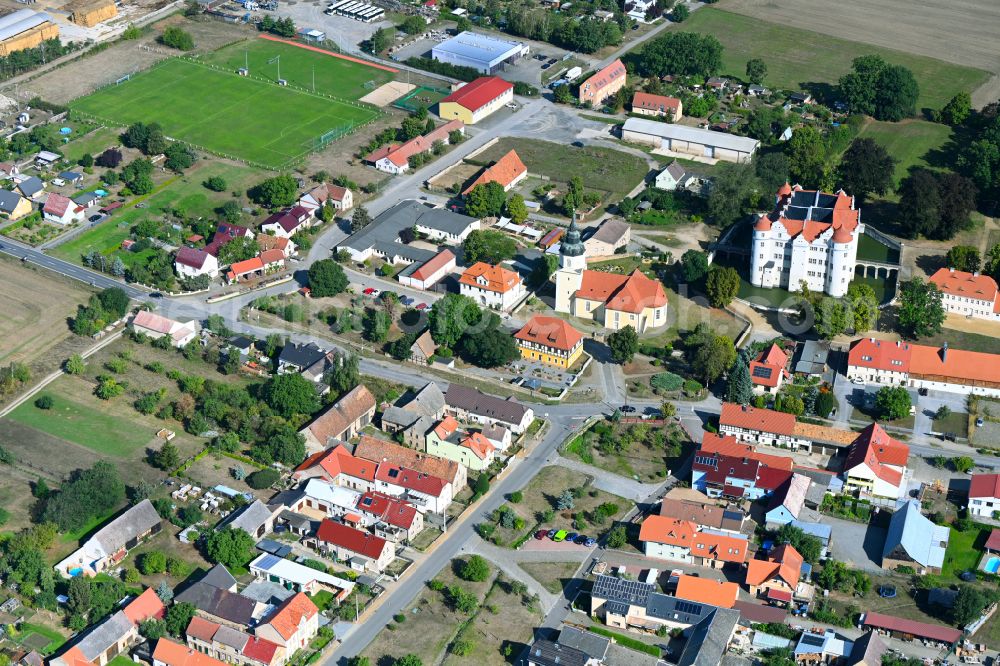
point(75, 572)
point(992, 565)
point(101, 193)
point(66, 130)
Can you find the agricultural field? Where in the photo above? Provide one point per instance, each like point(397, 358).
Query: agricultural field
point(209, 107)
point(611, 171)
point(185, 193)
point(803, 59)
point(35, 305)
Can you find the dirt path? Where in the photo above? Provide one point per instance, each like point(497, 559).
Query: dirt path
point(986, 93)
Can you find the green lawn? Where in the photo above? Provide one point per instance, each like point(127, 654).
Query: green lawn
point(956, 422)
point(94, 426)
point(964, 549)
point(334, 76)
point(957, 339)
point(797, 58)
point(216, 109)
point(92, 143)
point(56, 639)
point(600, 168)
point(186, 192)
point(909, 141)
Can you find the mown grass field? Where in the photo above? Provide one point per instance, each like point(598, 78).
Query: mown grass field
point(218, 110)
point(798, 58)
point(911, 142)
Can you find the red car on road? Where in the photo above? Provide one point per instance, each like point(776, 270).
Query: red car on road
point(369, 291)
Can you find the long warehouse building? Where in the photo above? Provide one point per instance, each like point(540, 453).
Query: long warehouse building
point(689, 141)
point(483, 53)
point(25, 29)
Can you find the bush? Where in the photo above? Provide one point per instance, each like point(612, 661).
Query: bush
point(153, 562)
point(263, 478)
point(666, 381)
point(44, 402)
point(176, 38)
point(475, 569)
point(517, 497)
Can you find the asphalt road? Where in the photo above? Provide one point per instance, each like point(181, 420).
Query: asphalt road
point(32, 256)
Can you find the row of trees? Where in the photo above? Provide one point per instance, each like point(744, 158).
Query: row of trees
point(103, 308)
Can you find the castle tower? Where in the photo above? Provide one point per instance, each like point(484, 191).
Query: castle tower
point(841, 267)
point(572, 263)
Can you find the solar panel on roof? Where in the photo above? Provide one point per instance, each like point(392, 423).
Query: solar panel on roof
point(689, 607)
point(762, 371)
point(813, 640)
point(268, 561)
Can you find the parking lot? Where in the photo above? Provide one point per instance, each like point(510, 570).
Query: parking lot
point(346, 32)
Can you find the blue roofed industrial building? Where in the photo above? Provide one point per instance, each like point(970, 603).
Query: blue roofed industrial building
point(483, 53)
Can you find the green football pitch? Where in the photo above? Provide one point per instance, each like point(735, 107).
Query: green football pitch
point(247, 118)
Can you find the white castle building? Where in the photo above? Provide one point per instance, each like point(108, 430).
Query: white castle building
point(810, 237)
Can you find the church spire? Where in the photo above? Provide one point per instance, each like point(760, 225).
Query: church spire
point(571, 245)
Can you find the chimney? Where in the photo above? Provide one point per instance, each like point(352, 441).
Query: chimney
point(944, 352)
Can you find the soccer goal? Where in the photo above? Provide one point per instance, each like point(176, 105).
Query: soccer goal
point(330, 136)
point(122, 79)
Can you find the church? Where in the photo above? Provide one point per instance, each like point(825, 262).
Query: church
point(613, 300)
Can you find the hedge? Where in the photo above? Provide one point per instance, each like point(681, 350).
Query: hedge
point(627, 642)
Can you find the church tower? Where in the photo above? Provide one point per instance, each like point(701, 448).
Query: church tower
point(572, 263)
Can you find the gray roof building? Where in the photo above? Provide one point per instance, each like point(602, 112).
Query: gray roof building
point(913, 537)
point(812, 358)
point(9, 201)
point(255, 518)
point(31, 186)
point(868, 649)
point(219, 577)
point(266, 592)
point(427, 402)
point(710, 638)
point(476, 402)
point(219, 603)
point(383, 234)
point(300, 356)
point(103, 636)
point(548, 653)
point(592, 645)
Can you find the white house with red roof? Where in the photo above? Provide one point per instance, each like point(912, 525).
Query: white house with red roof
point(292, 625)
point(678, 540)
point(157, 326)
point(62, 210)
point(725, 467)
point(984, 495)
point(424, 275)
point(361, 550)
point(395, 158)
point(507, 172)
point(390, 517)
point(191, 262)
point(341, 198)
point(767, 371)
point(968, 294)
point(922, 366)
point(286, 223)
point(424, 491)
point(810, 237)
point(876, 464)
point(493, 287)
point(875, 361)
point(476, 100)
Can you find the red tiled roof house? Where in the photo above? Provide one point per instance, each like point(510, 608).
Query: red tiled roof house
point(603, 84)
point(659, 106)
point(363, 551)
point(767, 371)
point(984, 496)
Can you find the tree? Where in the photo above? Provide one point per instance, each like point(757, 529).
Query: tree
point(177, 38)
point(545, 266)
point(623, 343)
point(825, 403)
point(475, 569)
point(230, 547)
point(866, 168)
point(964, 258)
point(164, 592)
point(327, 278)
point(238, 249)
point(806, 156)
point(756, 71)
point(413, 25)
point(215, 183)
point(722, 285)
point(730, 195)
point(490, 347)
point(489, 246)
point(921, 312)
point(44, 402)
point(681, 54)
point(75, 365)
point(153, 629)
point(957, 110)
point(451, 317)
point(290, 394)
point(109, 159)
point(565, 501)
point(485, 200)
point(617, 537)
point(401, 348)
point(344, 373)
point(263, 478)
point(862, 307)
point(830, 317)
point(893, 402)
point(516, 210)
point(712, 357)
point(153, 562)
point(963, 464)
point(694, 265)
point(275, 192)
point(410, 128)
point(789, 404)
point(561, 94)
point(679, 13)
point(375, 325)
point(740, 387)
point(178, 157)
point(379, 41)
point(179, 615)
point(771, 169)
point(969, 604)
point(808, 546)
point(114, 300)
point(408, 660)
point(88, 493)
point(167, 458)
point(878, 89)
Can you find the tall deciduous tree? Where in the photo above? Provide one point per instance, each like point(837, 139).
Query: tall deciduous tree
point(806, 156)
point(623, 343)
point(290, 394)
point(756, 70)
point(327, 278)
point(964, 258)
point(722, 285)
point(921, 312)
point(451, 317)
point(878, 89)
point(681, 54)
point(485, 200)
point(275, 192)
point(866, 168)
point(488, 245)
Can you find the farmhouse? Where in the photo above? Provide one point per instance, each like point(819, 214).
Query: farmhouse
point(476, 100)
point(812, 237)
point(286, 223)
point(157, 326)
point(423, 348)
point(688, 142)
point(13, 205)
point(612, 236)
point(292, 625)
point(920, 366)
point(169, 653)
point(914, 541)
point(426, 274)
point(379, 450)
point(472, 405)
point(381, 238)
point(727, 520)
point(876, 464)
point(395, 158)
point(772, 428)
point(493, 287)
point(776, 577)
point(550, 340)
point(603, 84)
point(767, 371)
point(256, 519)
point(111, 543)
point(415, 413)
point(265, 263)
point(968, 294)
point(659, 106)
point(508, 171)
point(361, 550)
point(910, 629)
point(190, 262)
point(341, 198)
point(984, 495)
point(614, 300)
point(115, 635)
point(342, 420)
point(338, 466)
point(484, 53)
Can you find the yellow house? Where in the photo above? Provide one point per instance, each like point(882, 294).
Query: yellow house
point(551, 341)
point(13, 205)
point(476, 100)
